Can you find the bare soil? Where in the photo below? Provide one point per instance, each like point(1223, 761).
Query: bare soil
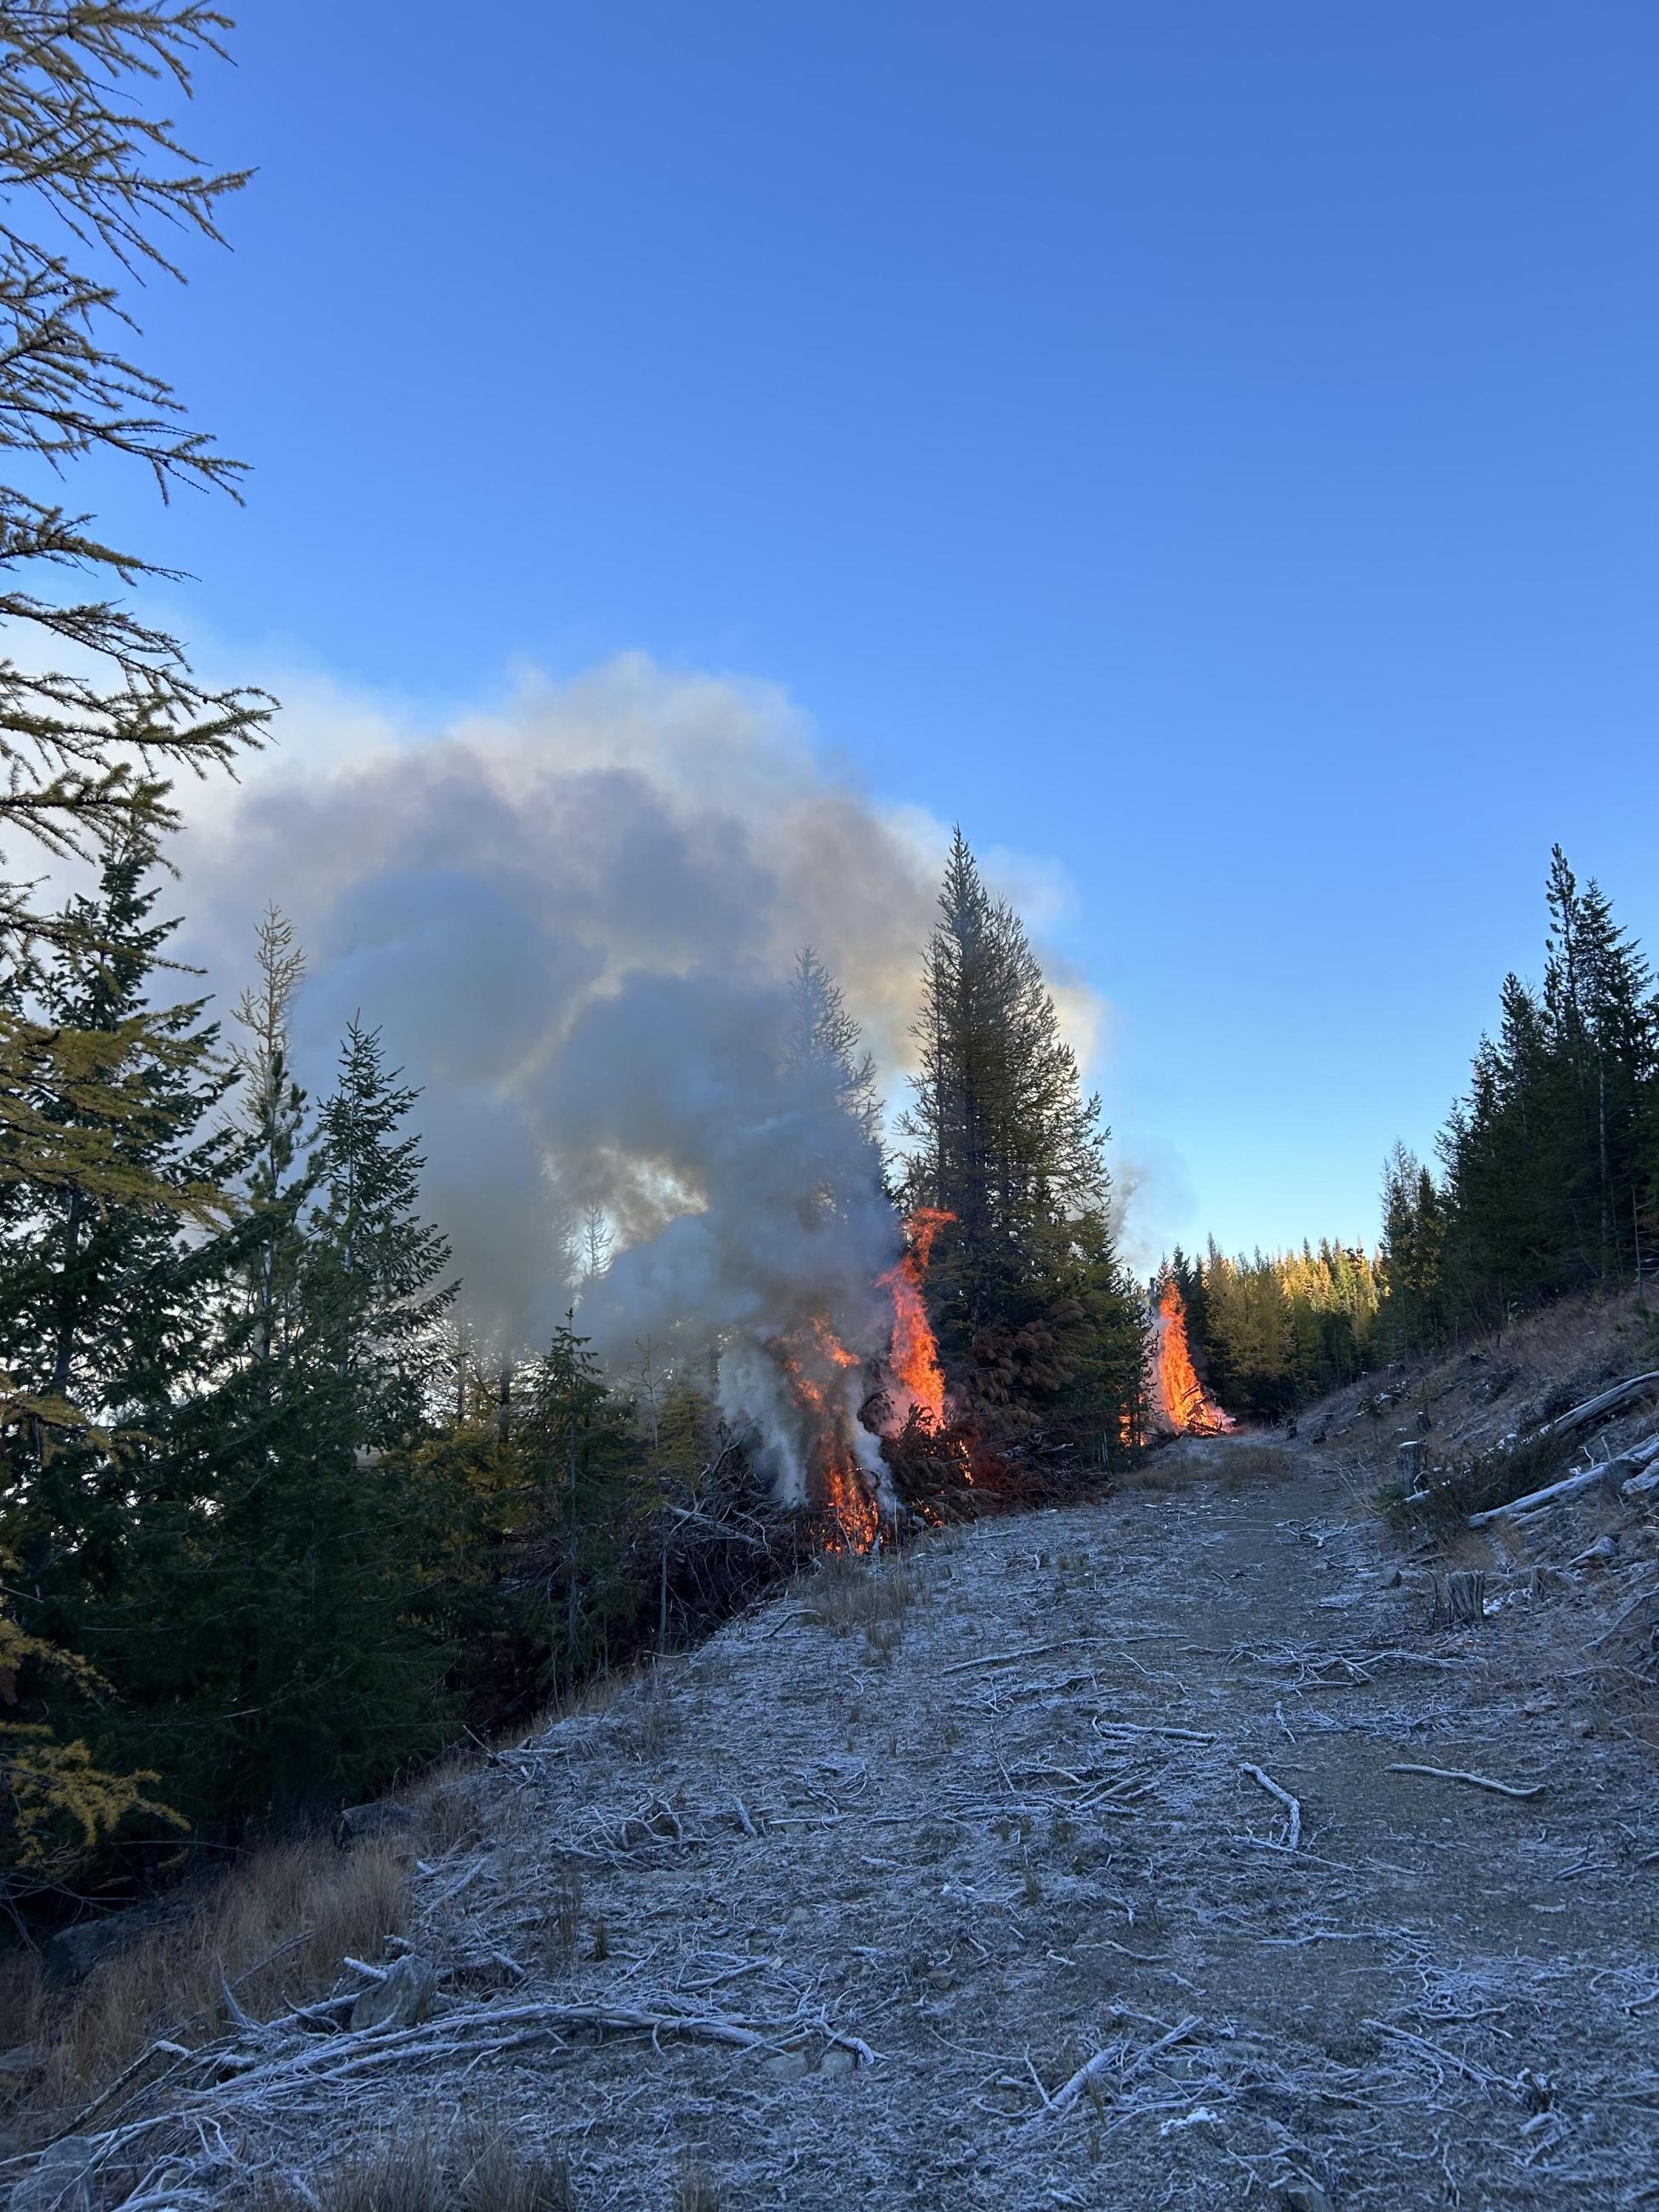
point(830, 1913)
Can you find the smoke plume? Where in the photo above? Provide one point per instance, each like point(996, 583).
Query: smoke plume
point(573, 919)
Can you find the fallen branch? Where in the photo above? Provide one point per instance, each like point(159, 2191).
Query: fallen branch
point(337, 2056)
point(1635, 1606)
point(1630, 1461)
point(1293, 1835)
point(1147, 1728)
point(1478, 1781)
point(1025, 1651)
point(1072, 2090)
point(1607, 1401)
point(1466, 2067)
point(1555, 1493)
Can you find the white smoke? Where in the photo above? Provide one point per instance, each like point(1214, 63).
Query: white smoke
point(573, 917)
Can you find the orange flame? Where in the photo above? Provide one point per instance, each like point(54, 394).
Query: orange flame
point(913, 1355)
point(847, 1503)
point(838, 1486)
point(1192, 1412)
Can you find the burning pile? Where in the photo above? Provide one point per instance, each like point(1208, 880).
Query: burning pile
point(1186, 1407)
point(832, 1459)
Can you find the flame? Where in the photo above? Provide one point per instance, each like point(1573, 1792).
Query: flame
point(1190, 1410)
point(847, 1503)
point(844, 1478)
point(913, 1354)
point(816, 1363)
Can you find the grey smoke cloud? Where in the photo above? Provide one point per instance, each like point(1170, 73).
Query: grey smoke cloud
point(572, 919)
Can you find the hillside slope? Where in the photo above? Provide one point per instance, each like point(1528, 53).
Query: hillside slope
point(832, 1911)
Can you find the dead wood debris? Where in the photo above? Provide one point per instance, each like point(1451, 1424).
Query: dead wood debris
point(1478, 1781)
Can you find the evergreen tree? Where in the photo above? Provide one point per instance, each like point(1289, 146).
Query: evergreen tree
point(823, 1056)
point(101, 1321)
point(370, 1255)
point(1276, 1329)
point(260, 1599)
point(1598, 990)
point(1412, 1261)
point(273, 1109)
point(86, 753)
point(582, 1459)
point(1550, 1157)
point(1024, 1282)
point(1002, 1138)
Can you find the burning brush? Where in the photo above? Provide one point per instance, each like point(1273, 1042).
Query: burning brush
point(1186, 1408)
point(814, 1400)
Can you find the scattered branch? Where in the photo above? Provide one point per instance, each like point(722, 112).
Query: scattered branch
point(1477, 1781)
point(1093, 2067)
point(1293, 1808)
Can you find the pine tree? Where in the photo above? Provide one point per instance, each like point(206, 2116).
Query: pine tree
point(273, 1109)
point(102, 1321)
point(1411, 1260)
point(1002, 1138)
point(1024, 1283)
point(582, 1459)
point(371, 1257)
point(1550, 1156)
point(273, 1629)
point(96, 708)
point(824, 1056)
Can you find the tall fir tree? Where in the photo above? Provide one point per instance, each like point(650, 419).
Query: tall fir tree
point(104, 1322)
point(824, 1050)
point(1024, 1282)
point(370, 1255)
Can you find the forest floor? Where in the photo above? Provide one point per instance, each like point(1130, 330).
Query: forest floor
point(833, 1911)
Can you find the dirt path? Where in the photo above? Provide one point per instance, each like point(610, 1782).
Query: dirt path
point(990, 1819)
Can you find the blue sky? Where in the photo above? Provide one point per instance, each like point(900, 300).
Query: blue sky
point(1213, 446)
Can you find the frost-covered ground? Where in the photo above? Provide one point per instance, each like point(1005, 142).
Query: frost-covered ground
point(839, 1908)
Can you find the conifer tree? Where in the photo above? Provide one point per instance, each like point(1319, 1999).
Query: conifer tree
point(273, 1113)
point(1411, 1259)
point(582, 1462)
point(96, 707)
point(102, 1321)
point(1002, 1138)
point(372, 1257)
point(1550, 1156)
point(823, 1050)
point(1024, 1282)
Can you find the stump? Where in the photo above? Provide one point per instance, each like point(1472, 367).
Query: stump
point(1460, 1599)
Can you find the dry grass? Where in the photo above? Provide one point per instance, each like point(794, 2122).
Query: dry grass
point(479, 2169)
point(276, 1927)
point(1233, 1462)
point(846, 1592)
point(1490, 1386)
point(447, 1803)
point(1246, 1461)
point(696, 2189)
point(1577, 1335)
point(559, 1929)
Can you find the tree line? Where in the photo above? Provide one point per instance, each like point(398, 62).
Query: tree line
point(1545, 1182)
point(1548, 1179)
point(1271, 1331)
